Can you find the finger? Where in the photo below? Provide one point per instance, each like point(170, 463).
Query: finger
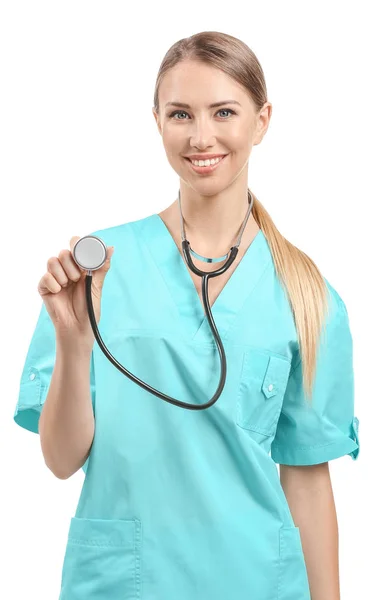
point(107, 262)
point(69, 265)
point(100, 274)
point(55, 267)
point(110, 251)
point(73, 241)
point(48, 284)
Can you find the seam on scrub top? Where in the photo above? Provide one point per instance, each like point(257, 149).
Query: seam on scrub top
point(29, 406)
point(154, 333)
point(138, 550)
point(260, 431)
point(264, 432)
point(203, 344)
point(286, 448)
point(157, 332)
point(281, 563)
point(295, 367)
point(153, 261)
point(86, 542)
point(233, 325)
point(264, 351)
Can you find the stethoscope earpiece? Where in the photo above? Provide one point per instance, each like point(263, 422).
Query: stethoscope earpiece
point(90, 253)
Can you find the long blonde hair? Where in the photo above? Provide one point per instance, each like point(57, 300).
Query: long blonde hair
point(301, 279)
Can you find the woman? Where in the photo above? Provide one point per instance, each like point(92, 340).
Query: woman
point(185, 504)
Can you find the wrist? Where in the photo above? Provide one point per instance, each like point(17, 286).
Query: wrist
point(74, 345)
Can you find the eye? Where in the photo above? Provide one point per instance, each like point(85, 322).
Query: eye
point(176, 112)
point(227, 110)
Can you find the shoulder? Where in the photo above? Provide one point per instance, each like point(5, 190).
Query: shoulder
point(122, 233)
point(337, 318)
point(336, 301)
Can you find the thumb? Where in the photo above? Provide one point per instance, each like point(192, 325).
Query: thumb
point(73, 241)
point(99, 274)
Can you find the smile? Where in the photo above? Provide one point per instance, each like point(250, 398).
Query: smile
point(205, 169)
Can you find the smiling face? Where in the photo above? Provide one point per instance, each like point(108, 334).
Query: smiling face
point(230, 129)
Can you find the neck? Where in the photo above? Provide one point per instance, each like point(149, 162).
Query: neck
point(213, 223)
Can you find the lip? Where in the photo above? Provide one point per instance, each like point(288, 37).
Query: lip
point(204, 156)
point(205, 170)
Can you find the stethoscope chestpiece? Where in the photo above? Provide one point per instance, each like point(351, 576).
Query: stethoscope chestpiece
point(90, 253)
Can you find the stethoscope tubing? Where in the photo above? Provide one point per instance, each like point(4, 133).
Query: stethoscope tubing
point(223, 363)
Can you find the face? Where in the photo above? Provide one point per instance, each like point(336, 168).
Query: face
point(231, 129)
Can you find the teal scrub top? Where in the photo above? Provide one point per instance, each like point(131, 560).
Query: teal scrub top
point(184, 504)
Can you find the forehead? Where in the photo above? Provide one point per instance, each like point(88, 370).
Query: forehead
point(197, 84)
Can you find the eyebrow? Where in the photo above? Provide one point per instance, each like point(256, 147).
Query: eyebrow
point(214, 105)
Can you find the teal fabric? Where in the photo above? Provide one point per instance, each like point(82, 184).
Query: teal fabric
point(188, 504)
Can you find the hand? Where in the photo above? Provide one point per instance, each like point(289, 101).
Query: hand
point(63, 291)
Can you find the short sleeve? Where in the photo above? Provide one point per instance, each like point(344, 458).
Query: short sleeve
point(37, 371)
point(325, 428)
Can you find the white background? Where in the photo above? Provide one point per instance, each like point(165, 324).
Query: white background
point(80, 151)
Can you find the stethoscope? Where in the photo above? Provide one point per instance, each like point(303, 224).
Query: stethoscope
point(90, 254)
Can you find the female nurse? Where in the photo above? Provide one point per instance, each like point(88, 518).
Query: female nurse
point(177, 503)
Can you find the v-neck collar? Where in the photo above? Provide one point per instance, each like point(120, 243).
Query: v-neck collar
point(177, 278)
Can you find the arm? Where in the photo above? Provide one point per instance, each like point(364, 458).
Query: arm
point(310, 497)
point(67, 423)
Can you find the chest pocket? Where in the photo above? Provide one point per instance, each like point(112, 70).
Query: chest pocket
point(262, 386)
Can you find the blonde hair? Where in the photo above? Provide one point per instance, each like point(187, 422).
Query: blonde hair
point(300, 277)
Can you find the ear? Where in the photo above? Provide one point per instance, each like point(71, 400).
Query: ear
point(263, 122)
point(155, 114)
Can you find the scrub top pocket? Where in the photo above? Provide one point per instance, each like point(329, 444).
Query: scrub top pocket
point(102, 560)
point(262, 387)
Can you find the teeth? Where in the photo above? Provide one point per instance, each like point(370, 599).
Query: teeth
point(206, 163)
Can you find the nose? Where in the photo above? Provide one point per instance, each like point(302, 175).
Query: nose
point(203, 134)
